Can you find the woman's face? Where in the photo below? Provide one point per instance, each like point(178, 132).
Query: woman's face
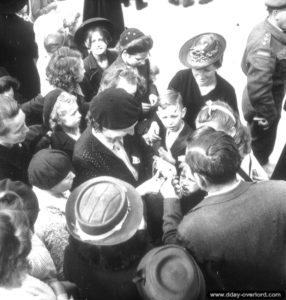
point(98, 45)
point(70, 116)
point(135, 60)
point(205, 76)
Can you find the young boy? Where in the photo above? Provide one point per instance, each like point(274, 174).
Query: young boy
point(171, 143)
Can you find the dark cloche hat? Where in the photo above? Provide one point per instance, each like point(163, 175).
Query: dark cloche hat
point(104, 211)
point(169, 273)
point(202, 50)
point(11, 6)
point(114, 109)
point(80, 33)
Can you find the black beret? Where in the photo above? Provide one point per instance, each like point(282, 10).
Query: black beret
point(115, 109)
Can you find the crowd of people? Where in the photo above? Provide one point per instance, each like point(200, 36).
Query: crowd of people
point(113, 189)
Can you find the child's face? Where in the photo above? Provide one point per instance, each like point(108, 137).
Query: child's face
point(172, 116)
point(98, 44)
point(187, 181)
point(70, 116)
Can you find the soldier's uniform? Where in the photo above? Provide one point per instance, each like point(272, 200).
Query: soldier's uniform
point(264, 63)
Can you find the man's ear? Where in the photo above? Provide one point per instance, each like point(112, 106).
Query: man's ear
point(200, 180)
point(124, 55)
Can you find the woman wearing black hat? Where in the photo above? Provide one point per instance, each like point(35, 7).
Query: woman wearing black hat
point(95, 35)
point(108, 147)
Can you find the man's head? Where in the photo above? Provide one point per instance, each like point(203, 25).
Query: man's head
point(213, 157)
point(277, 12)
point(13, 127)
point(171, 110)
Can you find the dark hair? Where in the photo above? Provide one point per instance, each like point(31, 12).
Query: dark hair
point(213, 154)
point(210, 113)
point(104, 33)
point(140, 45)
point(8, 82)
point(170, 97)
point(9, 108)
point(15, 245)
point(63, 69)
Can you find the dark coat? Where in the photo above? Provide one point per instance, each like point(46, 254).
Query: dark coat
point(185, 83)
point(93, 74)
point(239, 235)
point(264, 64)
point(179, 146)
point(91, 158)
point(18, 50)
point(61, 141)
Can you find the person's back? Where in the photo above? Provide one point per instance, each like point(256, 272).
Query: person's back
point(247, 245)
point(237, 232)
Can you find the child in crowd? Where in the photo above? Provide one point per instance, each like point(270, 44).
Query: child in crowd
point(220, 116)
point(172, 143)
point(62, 117)
point(50, 174)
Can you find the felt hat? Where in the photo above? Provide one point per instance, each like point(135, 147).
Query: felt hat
point(5, 79)
point(202, 50)
point(169, 273)
point(11, 6)
point(276, 3)
point(88, 24)
point(130, 36)
point(29, 198)
point(114, 109)
point(49, 102)
point(104, 211)
point(48, 167)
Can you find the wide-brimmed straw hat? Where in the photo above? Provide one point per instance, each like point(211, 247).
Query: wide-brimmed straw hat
point(104, 211)
point(80, 33)
point(169, 273)
point(202, 50)
point(11, 6)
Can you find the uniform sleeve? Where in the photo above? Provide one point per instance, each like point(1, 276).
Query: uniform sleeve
point(261, 66)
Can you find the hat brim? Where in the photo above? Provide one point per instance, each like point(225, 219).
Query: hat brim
point(130, 225)
point(185, 49)
point(12, 6)
point(80, 33)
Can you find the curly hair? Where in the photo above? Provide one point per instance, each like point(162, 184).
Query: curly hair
point(63, 69)
point(227, 119)
point(59, 108)
point(15, 245)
